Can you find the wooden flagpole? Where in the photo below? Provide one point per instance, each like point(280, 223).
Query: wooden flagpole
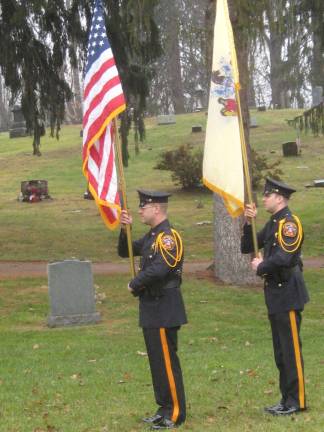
point(241, 127)
point(124, 198)
point(246, 168)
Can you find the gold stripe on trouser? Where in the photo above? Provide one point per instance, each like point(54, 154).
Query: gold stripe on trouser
point(167, 360)
point(301, 389)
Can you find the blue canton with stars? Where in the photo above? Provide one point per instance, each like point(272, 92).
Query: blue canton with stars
point(98, 41)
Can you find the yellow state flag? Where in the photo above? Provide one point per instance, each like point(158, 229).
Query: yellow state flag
point(222, 164)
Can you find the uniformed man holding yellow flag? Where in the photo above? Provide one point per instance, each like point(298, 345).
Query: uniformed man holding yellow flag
point(284, 288)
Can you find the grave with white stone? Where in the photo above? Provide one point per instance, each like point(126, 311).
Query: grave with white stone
point(18, 126)
point(165, 119)
point(253, 122)
point(71, 294)
point(317, 95)
point(199, 98)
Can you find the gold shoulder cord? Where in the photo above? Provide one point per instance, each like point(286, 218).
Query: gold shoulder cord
point(285, 246)
point(170, 259)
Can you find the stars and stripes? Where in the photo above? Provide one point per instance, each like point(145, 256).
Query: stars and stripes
point(103, 100)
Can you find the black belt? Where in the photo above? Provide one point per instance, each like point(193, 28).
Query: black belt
point(173, 283)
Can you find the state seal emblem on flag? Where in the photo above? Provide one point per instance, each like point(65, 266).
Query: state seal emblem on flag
point(222, 86)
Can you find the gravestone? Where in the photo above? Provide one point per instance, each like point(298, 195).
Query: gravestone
point(290, 148)
point(34, 191)
point(262, 108)
point(199, 98)
point(317, 95)
point(18, 126)
point(166, 119)
point(71, 294)
point(196, 128)
point(319, 183)
point(253, 122)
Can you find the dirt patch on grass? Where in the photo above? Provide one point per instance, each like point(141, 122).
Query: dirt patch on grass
point(199, 269)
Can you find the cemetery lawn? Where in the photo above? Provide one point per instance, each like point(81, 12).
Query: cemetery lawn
point(96, 378)
point(69, 226)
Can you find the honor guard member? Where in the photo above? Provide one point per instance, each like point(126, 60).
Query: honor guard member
point(161, 307)
point(284, 288)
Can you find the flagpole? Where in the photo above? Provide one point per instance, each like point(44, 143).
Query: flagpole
point(241, 127)
point(124, 198)
point(246, 168)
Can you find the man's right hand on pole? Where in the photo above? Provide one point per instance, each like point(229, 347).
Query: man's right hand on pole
point(250, 212)
point(125, 218)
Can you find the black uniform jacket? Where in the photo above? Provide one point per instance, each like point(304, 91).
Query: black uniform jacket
point(156, 284)
point(284, 285)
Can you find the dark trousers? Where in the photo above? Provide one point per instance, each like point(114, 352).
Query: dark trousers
point(288, 357)
point(161, 345)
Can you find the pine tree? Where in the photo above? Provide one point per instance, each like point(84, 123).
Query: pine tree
point(33, 43)
point(37, 35)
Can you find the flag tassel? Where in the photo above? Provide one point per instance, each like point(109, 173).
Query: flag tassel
point(124, 196)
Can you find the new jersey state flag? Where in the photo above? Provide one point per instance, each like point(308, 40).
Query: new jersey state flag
point(222, 163)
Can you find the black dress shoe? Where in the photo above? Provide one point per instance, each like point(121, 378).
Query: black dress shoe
point(287, 410)
point(155, 419)
point(164, 424)
point(272, 408)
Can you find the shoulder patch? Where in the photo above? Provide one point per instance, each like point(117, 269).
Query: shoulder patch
point(168, 242)
point(290, 229)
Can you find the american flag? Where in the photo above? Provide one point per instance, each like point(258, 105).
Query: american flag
point(103, 100)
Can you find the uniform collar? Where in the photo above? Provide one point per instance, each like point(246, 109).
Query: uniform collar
point(280, 214)
point(160, 227)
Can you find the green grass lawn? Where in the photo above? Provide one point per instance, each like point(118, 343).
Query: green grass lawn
point(96, 378)
point(69, 226)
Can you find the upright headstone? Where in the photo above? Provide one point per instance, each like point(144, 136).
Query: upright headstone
point(290, 148)
point(166, 119)
point(253, 122)
point(196, 128)
point(199, 98)
point(71, 294)
point(262, 108)
point(319, 183)
point(18, 126)
point(317, 95)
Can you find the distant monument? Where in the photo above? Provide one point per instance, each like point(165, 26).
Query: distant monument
point(71, 294)
point(166, 119)
point(291, 148)
point(317, 95)
point(199, 98)
point(18, 126)
point(196, 128)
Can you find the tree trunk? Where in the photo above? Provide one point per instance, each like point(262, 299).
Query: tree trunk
point(209, 23)
point(317, 72)
point(74, 106)
point(76, 88)
point(276, 78)
point(230, 265)
point(251, 88)
point(4, 111)
point(172, 51)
